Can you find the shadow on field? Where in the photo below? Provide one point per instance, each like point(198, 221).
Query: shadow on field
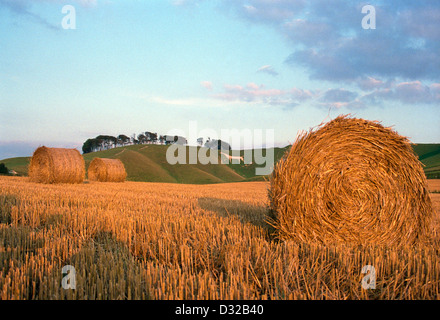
point(105, 268)
point(7, 202)
point(16, 242)
point(245, 212)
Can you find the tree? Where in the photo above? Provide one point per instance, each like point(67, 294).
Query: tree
point(142, 138)
point(151, 137)
point(168, 139)
point(175, 139)
point(154, 137)
point(123, 139)
point(90, 145)
point(106, 141)
point(180, 140)
point(3, 169)
point(217, 144)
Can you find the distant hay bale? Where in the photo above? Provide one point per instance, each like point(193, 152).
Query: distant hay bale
point(107, 170)
point(56, 165)
point(354, 181)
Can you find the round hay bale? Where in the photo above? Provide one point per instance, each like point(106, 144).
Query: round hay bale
point(56, 165)
point(107, 170)
point(351, 180)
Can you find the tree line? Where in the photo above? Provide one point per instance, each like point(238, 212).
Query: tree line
point(106, 142)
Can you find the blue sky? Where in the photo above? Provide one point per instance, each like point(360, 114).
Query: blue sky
point(134, 66)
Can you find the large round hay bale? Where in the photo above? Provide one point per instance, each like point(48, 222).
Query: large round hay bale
point(106, 170)
point(351, 180)
point(56, 165)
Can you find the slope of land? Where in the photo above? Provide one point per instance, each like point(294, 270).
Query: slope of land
point(148, 163)
point(429, 155)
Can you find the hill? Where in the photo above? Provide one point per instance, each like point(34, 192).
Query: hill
point(20, 164)
point(429, 155)
point(148, 163)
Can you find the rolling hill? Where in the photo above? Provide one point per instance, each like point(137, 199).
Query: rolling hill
point(429, 155)
point(148, 163)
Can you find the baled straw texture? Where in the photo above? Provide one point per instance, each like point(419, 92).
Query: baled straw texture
point(106, 170)
point(354, 181)
point(56, 165)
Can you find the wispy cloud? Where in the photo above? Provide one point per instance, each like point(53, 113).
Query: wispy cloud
point(235, 95)
point(206, 84)
point(264, 11)
point(338, 98)
point(260, 94)
point(373, 93)
point(413, 92)
point(88, 3)
point(268, 69)
point(370, 83)
point(251, 93)
point(185, 3)
point(176, 102)
point(199, 102)
point(23, 8)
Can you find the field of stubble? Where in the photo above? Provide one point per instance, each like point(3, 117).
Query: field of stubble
point(173, 241)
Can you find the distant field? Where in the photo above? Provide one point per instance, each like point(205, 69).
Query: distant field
point(434, 185)
point(148, 163)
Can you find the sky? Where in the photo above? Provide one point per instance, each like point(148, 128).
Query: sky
point(166, 66)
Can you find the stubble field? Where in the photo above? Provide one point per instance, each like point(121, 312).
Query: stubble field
point(138, 240)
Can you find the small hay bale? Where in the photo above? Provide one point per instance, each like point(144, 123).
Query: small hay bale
point(56, 165)
point(107, 170)
point(353, 181)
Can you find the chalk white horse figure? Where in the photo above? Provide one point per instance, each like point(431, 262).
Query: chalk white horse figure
point(232, 157)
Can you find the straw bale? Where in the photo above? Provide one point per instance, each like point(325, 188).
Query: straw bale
point(56, 165)
point(350, 180)
point(106, 170)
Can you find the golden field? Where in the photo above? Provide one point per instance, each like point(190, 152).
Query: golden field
point(137, 240)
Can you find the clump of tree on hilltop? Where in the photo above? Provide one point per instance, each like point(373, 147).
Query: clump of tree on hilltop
point(106, 142)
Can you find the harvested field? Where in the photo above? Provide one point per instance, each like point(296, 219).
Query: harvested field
point(434, 185)
point(171, 241)
point(434, 188)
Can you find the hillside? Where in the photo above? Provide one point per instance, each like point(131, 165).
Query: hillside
point(148, 163)
point(429, 155)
